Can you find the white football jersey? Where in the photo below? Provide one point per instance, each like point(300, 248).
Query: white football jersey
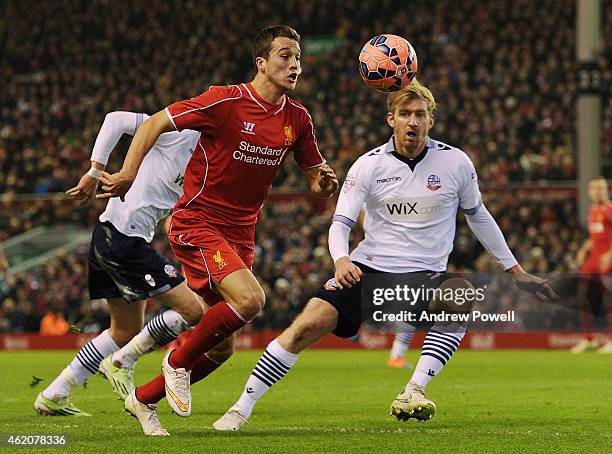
point(157, 187)
point(410, 205)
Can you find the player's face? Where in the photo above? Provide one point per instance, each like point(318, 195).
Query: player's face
point(411, 123)
point(598, 190)
point(282, 67)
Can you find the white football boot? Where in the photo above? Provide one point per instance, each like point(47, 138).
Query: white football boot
point(412, 403)
point(231, 420)
point(178, 393)
point(60, 407)
point(121, 379)
point(146, 414)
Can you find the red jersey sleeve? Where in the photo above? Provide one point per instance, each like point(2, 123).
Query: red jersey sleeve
point(306, 150)
point(204, 111)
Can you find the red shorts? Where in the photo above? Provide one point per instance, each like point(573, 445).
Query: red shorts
point(207, 258)
point(593, 266)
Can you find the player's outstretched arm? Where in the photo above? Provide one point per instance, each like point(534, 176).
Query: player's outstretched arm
point(323, 181)
point(115, 125)
point(118, 184)
point(532, 284)
point(490, 236)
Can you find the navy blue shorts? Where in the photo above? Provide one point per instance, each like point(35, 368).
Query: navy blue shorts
point(347, 301)
point(122, 266)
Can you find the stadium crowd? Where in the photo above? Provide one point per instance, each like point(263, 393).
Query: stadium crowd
point(502, 72)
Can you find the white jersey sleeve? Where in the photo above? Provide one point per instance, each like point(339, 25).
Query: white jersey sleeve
point(353, 194)
point(115, 125)
point(469, 193)
point(480, 220)
point(338, 240)
point(491, 237)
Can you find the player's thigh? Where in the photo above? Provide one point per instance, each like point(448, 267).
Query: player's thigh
point(184, 301)
point(219, 270)
point(318, 319)
point(127, 319)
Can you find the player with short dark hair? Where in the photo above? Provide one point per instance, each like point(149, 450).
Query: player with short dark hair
point(411, 187)
point(247, 131)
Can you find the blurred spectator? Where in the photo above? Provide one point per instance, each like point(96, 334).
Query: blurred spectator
point(4, 265)
point(53, 324)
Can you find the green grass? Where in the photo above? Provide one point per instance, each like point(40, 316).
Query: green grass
point(338, 401)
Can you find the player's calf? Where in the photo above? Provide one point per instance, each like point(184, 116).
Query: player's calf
point(185, 302)
point(459, 303)
point(223, 351)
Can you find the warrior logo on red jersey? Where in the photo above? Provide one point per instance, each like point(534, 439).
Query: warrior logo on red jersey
point(249, 127)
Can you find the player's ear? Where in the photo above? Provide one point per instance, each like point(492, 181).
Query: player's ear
point(390, 119)
point(432, 120)
point(261, 64)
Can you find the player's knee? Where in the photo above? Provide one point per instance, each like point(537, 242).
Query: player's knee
point(456, 295)
point(122, 334)
point(191, 314)
point(250, 302)
point(305, 332)
point(223, 351)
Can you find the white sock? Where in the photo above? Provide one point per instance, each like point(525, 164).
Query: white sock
point(161, 330)
point(83, 365)
point(271, 367)
point(438, 348)
point(401, 342)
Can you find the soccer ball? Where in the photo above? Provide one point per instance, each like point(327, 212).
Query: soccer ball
point(387, 63)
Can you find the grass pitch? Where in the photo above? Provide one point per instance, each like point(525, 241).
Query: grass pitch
point(338, 401)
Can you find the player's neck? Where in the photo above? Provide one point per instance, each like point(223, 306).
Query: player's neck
point(408, 153)
point(267, 90)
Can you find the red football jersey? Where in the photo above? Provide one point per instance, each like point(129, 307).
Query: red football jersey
point(600, 228)
point(244, 141)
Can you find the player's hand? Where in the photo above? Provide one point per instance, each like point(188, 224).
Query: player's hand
point(85, 190)
point(581, 256)
point(347, 273)
point(532, 284)
point(116, 185)
point(326, 181)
